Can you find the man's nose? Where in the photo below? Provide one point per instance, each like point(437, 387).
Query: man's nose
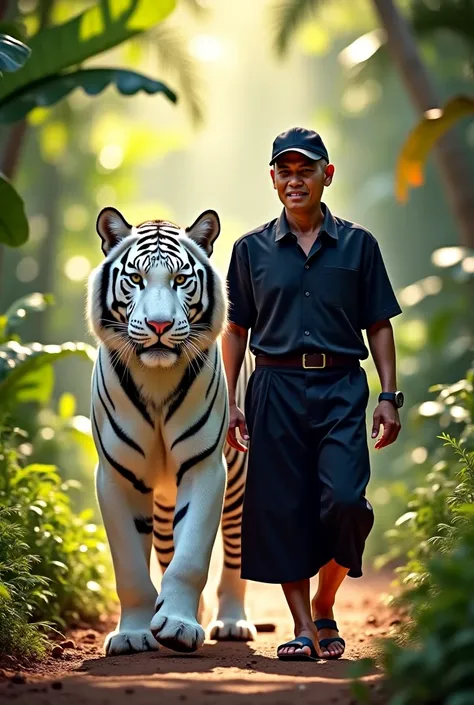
point(159, 327)
point(295, 180)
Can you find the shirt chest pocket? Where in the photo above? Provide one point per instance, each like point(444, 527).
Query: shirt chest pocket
point(338, 286)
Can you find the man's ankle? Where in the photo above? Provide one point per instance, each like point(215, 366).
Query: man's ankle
point(322, 604)
point(304, 627)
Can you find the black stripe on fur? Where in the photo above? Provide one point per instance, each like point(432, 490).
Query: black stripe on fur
point(191, 462)
point(127, 474)
point(180, 515)
point(131, 389)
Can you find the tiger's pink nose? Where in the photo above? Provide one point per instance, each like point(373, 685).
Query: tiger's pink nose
point(160, 327)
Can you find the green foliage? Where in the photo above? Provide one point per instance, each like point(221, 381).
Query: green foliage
point(103, 26)
point(13, 220)
point(22, 367)
point(26, 373)
point(19, 310)
point(58, 437)
point(430, 662)
point(13, 53)
point(436, 668)
point(458, 17)
point(435, 513)
point(70, 550)
point(48, 77)
point(53, 562)
point(51, 90)
point(19, 589)
point(289, 15)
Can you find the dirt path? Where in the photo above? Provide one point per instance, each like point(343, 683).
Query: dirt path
point(220, 672)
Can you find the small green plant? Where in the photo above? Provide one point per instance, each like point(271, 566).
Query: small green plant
point(54, 563)
point(435, 666)
point(20, 589)
point(430, 661)
point(70, 550)
point(435, 511)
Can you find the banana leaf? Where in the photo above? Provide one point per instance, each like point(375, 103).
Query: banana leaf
point(19, 365)
point(13, 220)
point(99, 28)
point(421, 140)
point(17, 313)
point(54, 88)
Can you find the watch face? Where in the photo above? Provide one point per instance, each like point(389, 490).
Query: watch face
point(399, 399)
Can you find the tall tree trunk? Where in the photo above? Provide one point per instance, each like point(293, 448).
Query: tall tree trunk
point(450, 156)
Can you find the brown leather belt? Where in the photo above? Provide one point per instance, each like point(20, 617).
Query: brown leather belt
point(307, 361)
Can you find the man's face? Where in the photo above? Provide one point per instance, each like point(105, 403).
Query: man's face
point(300, 181)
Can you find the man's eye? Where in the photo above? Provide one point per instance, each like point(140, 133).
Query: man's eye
point(136, 278)
point(180, 279)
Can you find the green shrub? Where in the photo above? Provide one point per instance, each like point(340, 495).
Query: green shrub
point(430, 661)
point(437, 667)
point(431, 519)
point(71, 550)
point(19, 591)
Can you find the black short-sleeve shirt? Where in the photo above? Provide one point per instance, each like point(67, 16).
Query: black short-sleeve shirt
point(293, 303)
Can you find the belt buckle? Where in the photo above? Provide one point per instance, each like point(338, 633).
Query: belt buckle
point(314, 367)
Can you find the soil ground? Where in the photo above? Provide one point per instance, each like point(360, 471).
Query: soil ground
point(220, 673)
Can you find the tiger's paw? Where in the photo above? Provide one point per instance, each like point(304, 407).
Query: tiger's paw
point(232, 630)
point(129, 641)
point(177, 633)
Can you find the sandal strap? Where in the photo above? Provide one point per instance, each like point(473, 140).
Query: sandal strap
point(326, 624)
point(324, 643)
point(300, 642)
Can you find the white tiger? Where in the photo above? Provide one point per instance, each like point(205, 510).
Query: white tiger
point(159, 415)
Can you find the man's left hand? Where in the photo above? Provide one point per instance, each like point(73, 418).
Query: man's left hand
point(387, 415)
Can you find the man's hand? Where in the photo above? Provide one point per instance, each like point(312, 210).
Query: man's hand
point(387, 415)
point(237, 420)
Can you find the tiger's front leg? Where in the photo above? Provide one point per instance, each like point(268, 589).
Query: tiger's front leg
point(196, 520)
point(127, 516)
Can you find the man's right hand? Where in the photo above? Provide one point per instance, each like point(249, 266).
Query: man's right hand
point(237, 420)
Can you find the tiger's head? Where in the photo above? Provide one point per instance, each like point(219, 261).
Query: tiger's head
point(156, 298)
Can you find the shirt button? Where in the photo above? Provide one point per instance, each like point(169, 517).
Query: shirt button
point(306, 293)
point(306, 332)
point(306, 266)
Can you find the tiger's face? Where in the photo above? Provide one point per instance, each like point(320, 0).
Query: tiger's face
point(156, 298)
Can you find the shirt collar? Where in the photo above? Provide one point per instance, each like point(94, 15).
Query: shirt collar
point(329, 224)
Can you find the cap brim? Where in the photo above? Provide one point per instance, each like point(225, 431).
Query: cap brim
point(306, 152)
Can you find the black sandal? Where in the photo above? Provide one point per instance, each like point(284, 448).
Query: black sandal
point(324, 643)
point(300, 642)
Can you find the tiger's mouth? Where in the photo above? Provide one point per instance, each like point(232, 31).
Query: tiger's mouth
point(157, 347)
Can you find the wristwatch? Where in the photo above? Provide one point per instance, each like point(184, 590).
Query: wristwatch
point(396, 398)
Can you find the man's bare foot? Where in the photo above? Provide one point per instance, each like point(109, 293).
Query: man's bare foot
point(310, 633)
point(336, 648)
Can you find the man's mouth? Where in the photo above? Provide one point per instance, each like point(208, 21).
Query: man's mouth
point(296, 194)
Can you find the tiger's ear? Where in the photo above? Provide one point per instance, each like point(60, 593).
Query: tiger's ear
point(112, 228)
point(205, 230)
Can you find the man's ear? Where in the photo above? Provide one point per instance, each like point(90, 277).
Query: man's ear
point(329, 174)
point(272, 174)
point(205, 230)
point(112, 228)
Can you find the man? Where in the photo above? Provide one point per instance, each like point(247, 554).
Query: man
point(306, 285)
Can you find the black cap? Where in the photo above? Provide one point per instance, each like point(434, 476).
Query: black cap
point(298, 139)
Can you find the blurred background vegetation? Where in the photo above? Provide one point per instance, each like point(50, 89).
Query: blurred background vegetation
point(243, 72)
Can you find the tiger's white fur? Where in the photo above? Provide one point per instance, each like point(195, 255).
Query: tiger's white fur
point(159, 416)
